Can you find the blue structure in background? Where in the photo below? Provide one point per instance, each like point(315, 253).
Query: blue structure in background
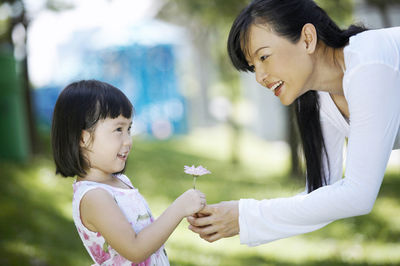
point(146, 74)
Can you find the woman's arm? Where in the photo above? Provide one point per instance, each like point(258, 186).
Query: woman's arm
point(100, 213)
point(222, 220)
point(373, 98)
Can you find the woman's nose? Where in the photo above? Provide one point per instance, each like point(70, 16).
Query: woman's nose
point(261, 76)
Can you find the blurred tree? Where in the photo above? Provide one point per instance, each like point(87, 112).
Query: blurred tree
point(209, 23)
point(15, 18)
point(382, 6)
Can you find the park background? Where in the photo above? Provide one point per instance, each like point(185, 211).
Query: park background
point(192, 107)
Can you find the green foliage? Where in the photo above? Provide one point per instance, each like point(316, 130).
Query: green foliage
point(341, 11)
point(37, 228)
point(213, 13)
point(212, 20)
point(209, 13)
point(381, 3)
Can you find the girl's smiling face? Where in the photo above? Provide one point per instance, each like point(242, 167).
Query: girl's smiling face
point(108, 147)
point(279, 64)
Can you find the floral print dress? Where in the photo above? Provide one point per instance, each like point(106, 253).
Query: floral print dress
point(136, 210)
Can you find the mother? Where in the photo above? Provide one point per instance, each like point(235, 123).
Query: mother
point(345, 84)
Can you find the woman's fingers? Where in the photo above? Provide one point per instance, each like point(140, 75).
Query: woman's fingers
point(201, 221)
point(204, 230)
point(208, 230)
point(207, 210)
point(220, 220)
point(211, 238)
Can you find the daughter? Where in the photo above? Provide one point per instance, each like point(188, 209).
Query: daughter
point(91, 140)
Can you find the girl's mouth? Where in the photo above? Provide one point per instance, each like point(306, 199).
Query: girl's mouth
point(122, 156)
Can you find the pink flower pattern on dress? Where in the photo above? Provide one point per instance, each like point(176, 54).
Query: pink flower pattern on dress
point(144, 263)
point(98, 253)
point(118, 260)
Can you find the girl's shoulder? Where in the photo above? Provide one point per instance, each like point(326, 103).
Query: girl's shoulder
point(81, 188)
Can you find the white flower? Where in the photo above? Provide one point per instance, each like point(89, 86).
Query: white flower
point(196, 171)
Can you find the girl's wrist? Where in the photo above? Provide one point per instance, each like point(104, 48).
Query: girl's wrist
point(177, 209)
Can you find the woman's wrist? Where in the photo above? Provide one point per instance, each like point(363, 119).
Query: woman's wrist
point(235, 214)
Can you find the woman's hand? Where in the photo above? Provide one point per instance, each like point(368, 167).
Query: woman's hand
point(216, 221)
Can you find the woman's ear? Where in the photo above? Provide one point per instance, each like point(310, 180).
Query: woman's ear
point(309, 38)
point(85, 138)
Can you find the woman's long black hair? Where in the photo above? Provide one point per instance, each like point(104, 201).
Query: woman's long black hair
point(287, 18)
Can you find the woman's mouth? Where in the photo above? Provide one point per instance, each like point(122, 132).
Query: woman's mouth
point(276, 87)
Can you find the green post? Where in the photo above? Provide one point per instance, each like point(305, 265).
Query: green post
point(14, 140)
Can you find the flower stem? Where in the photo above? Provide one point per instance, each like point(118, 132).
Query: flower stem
point(194, 182)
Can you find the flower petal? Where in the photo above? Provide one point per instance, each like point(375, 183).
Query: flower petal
point(196, 171)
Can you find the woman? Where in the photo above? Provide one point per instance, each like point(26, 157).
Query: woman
point(345, 84)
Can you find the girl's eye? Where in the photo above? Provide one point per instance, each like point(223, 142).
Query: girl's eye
point(119, 129)
point(129, 129)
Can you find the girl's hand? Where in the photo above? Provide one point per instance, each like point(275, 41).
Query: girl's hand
point(190, 202)
point(216, 221)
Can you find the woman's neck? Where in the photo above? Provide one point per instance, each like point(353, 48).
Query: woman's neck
point(329, 70)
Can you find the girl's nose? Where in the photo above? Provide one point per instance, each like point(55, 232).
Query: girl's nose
point(128, 139)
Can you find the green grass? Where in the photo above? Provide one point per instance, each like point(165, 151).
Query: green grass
point(37, 228)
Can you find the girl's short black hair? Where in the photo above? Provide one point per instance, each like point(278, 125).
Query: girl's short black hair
point(79, 106)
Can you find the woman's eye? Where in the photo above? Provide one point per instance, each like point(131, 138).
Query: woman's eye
point(264, 57)
point(119, 129)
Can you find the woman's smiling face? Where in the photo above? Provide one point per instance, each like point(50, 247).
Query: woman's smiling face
point(279, 64)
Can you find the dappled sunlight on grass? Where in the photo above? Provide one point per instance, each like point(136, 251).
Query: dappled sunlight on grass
point(37, 227)
point(385, 208)
point(265, 157)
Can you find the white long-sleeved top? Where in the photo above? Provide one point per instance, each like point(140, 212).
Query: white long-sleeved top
point(371, 85)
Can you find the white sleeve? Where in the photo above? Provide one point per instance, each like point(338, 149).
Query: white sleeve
point(374, 107)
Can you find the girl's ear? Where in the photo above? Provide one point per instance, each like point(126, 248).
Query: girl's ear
point(309, 38)
point(85, 138)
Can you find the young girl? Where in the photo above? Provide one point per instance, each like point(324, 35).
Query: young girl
point(91, 140)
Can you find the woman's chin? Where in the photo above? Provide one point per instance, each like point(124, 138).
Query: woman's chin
point(285, 101)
